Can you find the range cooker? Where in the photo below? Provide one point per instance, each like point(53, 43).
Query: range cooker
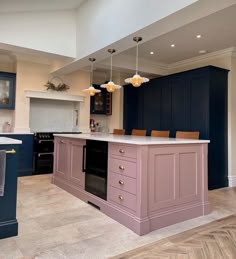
point(43, 151)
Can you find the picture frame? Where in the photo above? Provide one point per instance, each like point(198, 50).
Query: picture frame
point(7, 90)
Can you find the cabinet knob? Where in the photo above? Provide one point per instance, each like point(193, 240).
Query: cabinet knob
point(122, 151)
point(121, 182)
point(121, 197)
point(121, 167)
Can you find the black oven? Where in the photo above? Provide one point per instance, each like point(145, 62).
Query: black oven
point(43, 153)
point(95, 167)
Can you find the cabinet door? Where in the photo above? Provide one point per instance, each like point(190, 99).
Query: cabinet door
point(61, 166)
point(151, 106)
point(76, 175)
point(101, 103)
point(7, 90)
point(180, 104)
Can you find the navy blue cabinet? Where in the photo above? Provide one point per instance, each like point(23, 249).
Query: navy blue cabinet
point(194, 100)
point(7, 90)
point(8, 222)
point(101, 103)
point(25, 157)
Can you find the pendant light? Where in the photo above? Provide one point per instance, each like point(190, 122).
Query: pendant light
point(91, 90)
point(111, 86)
point(136, 80)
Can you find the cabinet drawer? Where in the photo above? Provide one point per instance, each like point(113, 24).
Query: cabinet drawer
point(123, 167)
point(122, 182)
point(125, 199)
point(123, 150)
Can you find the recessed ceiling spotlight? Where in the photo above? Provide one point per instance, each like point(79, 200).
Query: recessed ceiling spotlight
point(199, 36)
point(202, 51)
point(151, 52)
point(172, 45)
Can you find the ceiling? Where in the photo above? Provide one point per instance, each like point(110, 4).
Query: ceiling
point(217, 31)
point(38, 5)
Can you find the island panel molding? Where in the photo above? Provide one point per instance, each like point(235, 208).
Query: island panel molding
point(149, 185)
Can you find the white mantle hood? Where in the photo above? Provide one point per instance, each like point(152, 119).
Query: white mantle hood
point(54, 96)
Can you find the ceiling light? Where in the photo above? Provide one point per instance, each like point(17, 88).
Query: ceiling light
point(136, 80)
point(172, 45)
point(111, 86)
point(199, 36)
point(202, 51)
point(91, 90)
point(151, 52)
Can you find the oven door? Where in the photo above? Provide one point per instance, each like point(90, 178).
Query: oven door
point(43, 146)
point(43, 163)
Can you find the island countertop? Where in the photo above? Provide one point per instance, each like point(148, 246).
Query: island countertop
point(9, 141)
point(135, 140)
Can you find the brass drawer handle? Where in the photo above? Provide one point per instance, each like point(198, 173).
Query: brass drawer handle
point(10, 151)
point(122, 151)
point(121, 182)
point(121, 197)
point(121, 167)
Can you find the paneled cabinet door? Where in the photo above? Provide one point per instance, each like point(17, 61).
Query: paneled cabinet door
point(62, 158)
point(76, 174)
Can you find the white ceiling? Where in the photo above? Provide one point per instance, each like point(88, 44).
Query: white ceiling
point(7, 6)
point(217, 30)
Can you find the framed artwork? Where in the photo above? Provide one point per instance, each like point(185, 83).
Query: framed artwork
point(7, 90)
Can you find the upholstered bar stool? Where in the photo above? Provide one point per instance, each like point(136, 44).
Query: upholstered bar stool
point(119, 131)
point(160, 133)
point(187, 134)
point(137, 132)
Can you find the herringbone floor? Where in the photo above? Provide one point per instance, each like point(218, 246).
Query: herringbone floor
point(215, 240)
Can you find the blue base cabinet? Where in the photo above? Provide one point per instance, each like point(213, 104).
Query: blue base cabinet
point(8, 221)
point(25, 157)
point(194, 100)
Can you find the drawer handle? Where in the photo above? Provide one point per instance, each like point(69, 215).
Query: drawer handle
point(122, 151)
point(121, 167)
point(121, 197)
point(121, 182)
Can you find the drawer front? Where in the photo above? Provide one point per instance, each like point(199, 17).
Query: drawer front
point(122, 182)
point(123, 167)
point(124, 199)
point(123, 150)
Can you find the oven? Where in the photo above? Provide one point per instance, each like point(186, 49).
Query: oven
point(43, 153)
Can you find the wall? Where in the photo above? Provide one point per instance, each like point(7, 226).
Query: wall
point(33, 76)
point(53, 32)
point(108, 17)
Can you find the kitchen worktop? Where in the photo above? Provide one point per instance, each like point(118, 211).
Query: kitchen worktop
point(128, 139)
point(9, 141)
point(16, 133)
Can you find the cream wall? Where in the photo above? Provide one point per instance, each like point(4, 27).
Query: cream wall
point(33, 76)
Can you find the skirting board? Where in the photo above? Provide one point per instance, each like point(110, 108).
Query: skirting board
point(232, 181)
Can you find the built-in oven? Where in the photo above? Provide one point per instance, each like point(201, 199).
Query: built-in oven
point(43, 153)
point(95, 167)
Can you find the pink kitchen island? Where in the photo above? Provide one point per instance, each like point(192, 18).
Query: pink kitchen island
point(151, 182)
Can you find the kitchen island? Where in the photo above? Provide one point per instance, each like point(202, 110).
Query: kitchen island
point(8, 221)
point(151, 182)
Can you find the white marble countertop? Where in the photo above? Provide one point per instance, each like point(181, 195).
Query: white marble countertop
point(9, 141)
point(136, 140)
point(16, 133)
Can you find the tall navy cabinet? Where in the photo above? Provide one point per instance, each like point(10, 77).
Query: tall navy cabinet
point(194, 100)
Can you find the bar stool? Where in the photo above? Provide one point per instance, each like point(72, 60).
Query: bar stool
point(160, 133)
point(137, 132)
point(119, 131)
point(187, 134)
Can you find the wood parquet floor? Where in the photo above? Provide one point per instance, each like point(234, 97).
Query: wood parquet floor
point(216, 240)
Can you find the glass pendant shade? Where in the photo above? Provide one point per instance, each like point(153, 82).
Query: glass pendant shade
point(91, 90)
point(111, 86)
point(136, 80)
